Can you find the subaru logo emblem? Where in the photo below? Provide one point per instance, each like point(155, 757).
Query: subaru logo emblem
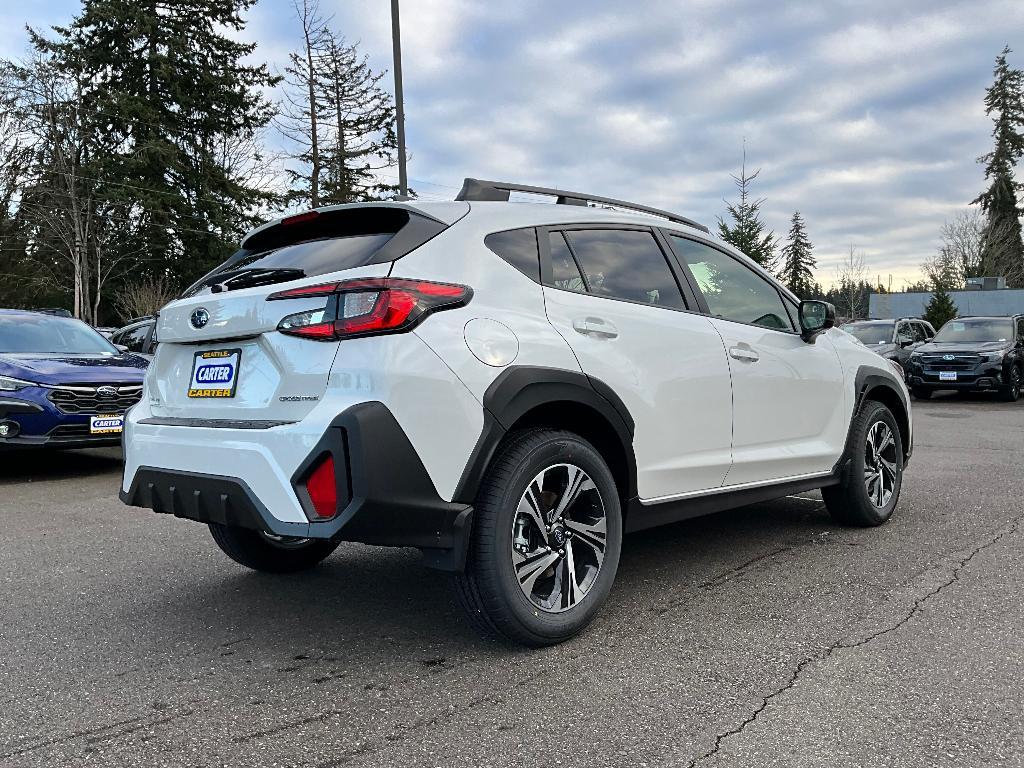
point(948, 357)
point(200, 318)
point(106, 391)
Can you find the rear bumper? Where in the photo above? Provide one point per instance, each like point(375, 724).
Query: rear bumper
point(385, 494)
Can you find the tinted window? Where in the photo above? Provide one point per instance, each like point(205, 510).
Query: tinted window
point(976, 330)
point(564, 272)
point(1020, 329)
point(904, 332)
point(870, 333)
point(919, 332)
point(308, 259)
point(519, 248)
point(733, 291)
point(47, 334)
point(135, 338)
point(625, 264)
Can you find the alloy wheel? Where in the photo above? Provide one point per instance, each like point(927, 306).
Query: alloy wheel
point(559, 537)
point(880, 472)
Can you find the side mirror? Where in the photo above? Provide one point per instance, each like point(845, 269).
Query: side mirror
point(904, 341)
point(121, 348)
point(815, 317)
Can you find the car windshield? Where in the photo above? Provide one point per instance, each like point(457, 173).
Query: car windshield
point(49, 334)
point(979, 330)
point(871, 333)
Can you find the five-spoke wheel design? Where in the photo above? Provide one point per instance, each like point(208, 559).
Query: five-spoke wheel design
point(880, 464)
point(558, 537)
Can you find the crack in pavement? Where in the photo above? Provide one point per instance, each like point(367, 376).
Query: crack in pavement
point(841, 645)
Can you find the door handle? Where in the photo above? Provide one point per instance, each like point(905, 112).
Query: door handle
point(595, 326)
point(746, 354)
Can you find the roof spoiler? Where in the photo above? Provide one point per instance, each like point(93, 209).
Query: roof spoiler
point(475, 190)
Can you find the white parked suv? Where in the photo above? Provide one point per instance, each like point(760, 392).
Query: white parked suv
point(509, 387)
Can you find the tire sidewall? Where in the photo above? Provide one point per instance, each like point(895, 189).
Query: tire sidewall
point(1013, 391)
point(560, 449)
point(875, 413)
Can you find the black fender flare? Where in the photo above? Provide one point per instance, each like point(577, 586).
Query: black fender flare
point(869, 379)
point(518, 390)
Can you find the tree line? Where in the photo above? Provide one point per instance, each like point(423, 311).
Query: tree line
point(135, 147)
point(984, 240)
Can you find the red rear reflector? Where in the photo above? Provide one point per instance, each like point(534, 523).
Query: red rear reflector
point(323, 490)
point(299, 218)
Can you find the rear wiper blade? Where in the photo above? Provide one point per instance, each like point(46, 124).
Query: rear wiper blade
point(249, 278)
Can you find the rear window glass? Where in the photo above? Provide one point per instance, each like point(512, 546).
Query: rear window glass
point(292, 262)
point(519, 248)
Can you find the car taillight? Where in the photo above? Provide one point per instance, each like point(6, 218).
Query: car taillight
point(323, 489)
point(368, 307)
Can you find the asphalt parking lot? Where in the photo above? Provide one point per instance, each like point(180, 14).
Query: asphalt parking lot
point(760, 637)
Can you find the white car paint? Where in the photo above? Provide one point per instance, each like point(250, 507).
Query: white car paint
point(705, 421)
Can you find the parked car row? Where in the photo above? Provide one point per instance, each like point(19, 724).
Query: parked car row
point(968, 354)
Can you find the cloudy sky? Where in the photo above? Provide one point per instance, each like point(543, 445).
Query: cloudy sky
point(866, 116)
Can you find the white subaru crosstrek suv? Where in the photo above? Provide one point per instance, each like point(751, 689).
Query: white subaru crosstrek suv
point(509, 387)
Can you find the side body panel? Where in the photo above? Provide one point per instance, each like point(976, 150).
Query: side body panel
point(789, 403)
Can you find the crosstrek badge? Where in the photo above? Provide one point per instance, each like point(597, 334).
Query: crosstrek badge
point(215, 373)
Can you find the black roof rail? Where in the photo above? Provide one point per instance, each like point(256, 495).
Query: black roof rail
point(475, 190)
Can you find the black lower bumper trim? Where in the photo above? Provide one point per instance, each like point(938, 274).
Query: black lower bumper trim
point(390, 500)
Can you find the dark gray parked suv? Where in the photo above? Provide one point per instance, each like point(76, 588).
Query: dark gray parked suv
point(892, 339)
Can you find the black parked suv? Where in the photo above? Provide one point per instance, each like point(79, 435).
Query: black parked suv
point(971, 353)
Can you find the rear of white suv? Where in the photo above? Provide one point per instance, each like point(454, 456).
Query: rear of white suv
point(507, 387)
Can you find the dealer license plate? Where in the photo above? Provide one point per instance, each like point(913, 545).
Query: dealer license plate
point(106, 425)
point(947, 375)
point(215, 373)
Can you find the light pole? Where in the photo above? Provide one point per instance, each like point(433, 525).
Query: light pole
point(396, 41)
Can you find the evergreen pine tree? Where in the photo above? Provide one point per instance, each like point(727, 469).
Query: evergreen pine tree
point(798, 261)
point(941, 308)
point(747, 230)
point(340, 123)
point(1003, 250)
point(180, 111)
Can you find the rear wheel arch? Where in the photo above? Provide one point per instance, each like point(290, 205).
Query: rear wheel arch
point(524, 397)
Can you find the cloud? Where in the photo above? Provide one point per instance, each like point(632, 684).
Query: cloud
point(866, 115)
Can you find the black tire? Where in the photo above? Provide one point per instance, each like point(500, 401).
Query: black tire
point(489, 589)
point(261, 553)
point(1012, 393)
point(922, 393)
point(849, 502)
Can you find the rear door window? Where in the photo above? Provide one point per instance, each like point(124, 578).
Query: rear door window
point(732, 290)
point(625, 264)
point(565, 273)
point(519, 248)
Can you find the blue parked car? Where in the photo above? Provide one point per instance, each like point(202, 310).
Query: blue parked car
point(62, 384)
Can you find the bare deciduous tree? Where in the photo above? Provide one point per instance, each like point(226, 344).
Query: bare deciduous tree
point(851, 279)
point(68, 224)
point(144, 297)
